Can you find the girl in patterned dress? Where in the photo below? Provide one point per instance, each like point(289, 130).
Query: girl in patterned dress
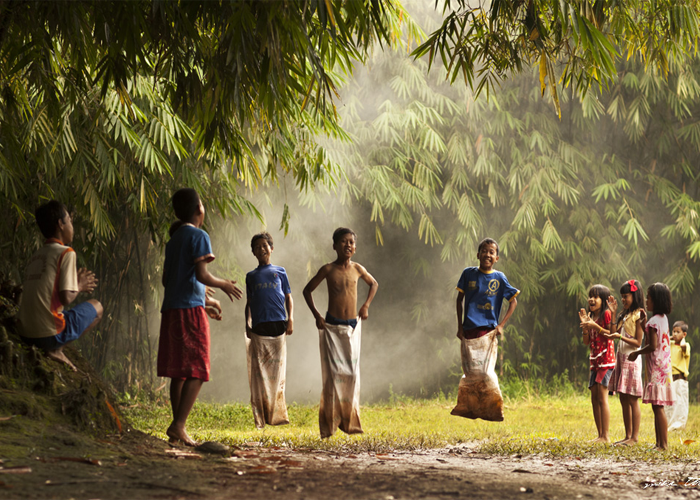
point(596, 324)
point(657, 390)
point(627, 375)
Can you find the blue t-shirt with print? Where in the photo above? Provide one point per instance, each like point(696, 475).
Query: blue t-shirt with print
point(266, 288)
point(483, 296)
point(187, 246)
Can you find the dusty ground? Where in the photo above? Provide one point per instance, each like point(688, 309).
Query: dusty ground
point(64, 465)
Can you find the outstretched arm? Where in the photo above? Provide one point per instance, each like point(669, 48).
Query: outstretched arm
point(308, 290)
point(373, 287)
point(206, 278)
point(512, 304)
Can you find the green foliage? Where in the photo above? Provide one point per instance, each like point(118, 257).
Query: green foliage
point(486, 42)
point(604, 195)
point(111, 106)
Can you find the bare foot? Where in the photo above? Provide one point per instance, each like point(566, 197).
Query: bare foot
point(57, 355)
point(601, 440)
point(179, 436)
point(621, 442)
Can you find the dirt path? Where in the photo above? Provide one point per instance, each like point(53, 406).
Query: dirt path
point(143, 467)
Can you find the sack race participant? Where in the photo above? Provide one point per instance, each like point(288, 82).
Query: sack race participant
point(267, 360)
point(269, 314)
point(340, 371)
point(479, 395)
point(340, 335)
point(481, 292)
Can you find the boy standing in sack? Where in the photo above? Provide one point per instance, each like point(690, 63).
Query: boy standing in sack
point(340, 335)
point(481, 291)
point(677, 415)
point(269, 319)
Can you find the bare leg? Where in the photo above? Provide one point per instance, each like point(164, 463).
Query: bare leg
point(636, 419)
point(600, 393)
point(189, 390)
point(596, 411)
point(660, 426)
point(175, 393)
point(626, 417)
point(59, 355)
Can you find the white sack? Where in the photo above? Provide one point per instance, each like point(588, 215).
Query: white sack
point(267, 368)
point(677, 415)
point(340, 369)
point(479, 395)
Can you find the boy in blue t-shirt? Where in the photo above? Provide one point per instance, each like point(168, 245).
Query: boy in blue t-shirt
point(483, 290)
point(269, 309)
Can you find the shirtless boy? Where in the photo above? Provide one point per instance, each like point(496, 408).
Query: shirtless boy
point(340, 334)
point(341, 276)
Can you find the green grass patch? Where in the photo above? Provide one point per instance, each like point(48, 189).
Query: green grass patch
point(547, 426)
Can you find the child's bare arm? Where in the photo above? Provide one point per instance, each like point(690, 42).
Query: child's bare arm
point(650, 347)
point(289, 304)
point(206, 278)
point(460, 298)
point(583, 316)
point(308, 290)
point(373, 287)
point(248, 319)
point(213, 308)
point(511, 307)
point(638, 335)
point(87, 282)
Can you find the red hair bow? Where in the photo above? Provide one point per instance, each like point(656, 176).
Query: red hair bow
point(633, 287)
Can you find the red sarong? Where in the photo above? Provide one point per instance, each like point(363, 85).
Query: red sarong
point(183, 347)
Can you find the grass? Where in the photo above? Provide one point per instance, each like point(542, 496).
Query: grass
point(547, 426)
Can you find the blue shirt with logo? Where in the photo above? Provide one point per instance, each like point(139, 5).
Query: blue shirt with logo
point(483, 296)
point(187, 246)
point(266, 288)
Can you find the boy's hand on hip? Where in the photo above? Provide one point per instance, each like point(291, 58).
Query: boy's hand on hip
point(87, 281)
point(499, 330)
point(364, 312)
point(232, 290)
point(248, 331)
point(460, 334)
point(320, 323)
point(290, 327)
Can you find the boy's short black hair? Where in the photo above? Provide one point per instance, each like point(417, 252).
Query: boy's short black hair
point(48, 215)
point(660, 297)
point(264, 235)
point(682, 325)
point(185, 203)
point(342, 231)
point(487, 241)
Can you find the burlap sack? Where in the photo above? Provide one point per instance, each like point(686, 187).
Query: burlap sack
point(479, 395)
point(340, 369)
point(267, 368)
point(677, 415)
